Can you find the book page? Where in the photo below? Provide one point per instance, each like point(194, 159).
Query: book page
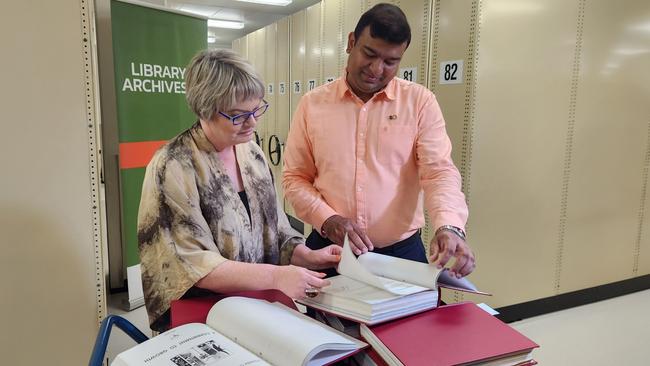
point(344, 287)
point(403, 270)
point(413, 272)
point(277, 334)
point(190, 344)
point(459, 284)
point(350, 266)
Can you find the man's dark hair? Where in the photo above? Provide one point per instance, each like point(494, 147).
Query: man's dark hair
point(387, 22)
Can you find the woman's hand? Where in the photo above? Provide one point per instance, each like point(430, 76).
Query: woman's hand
point(327, 257)
point(294, 280)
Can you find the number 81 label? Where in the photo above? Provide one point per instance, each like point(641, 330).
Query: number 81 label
point(409, 73)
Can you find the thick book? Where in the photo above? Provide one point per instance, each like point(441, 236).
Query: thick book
point(196, 309)
point(245, 331)
point(346, 326)
point(375, 288)
point(456, 334)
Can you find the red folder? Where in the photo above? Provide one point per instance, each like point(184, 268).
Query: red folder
point(195, 310)
point(455, 334)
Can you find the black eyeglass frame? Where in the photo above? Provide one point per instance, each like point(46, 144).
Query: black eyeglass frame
point(257, 113)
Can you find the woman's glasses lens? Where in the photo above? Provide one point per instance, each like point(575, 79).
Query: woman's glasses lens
point(238, 120)
point(260, 111)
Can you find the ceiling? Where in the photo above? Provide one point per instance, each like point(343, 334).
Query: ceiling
point(254, 16)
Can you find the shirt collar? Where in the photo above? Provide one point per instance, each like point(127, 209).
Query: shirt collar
point(343, 88)
point(391, 89)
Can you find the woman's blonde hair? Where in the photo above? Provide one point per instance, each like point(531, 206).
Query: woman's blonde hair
point(216, 80)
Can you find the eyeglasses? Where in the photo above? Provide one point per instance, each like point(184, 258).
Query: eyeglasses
point(241, 118)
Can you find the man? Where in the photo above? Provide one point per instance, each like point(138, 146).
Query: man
point(363, 148)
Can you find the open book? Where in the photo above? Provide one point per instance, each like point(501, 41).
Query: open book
point(374, 288)
point(244, 331)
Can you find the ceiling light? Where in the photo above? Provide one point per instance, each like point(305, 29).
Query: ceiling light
point(269, 2)
point(230, 24)
point(212, 38)
point(205, 11)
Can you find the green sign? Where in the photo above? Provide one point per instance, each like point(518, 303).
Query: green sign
point(151, 49)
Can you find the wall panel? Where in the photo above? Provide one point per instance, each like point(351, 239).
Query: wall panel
point(450, 41)
point(243, 47)
point(517, 132)
point(51, 268)
point(333, 39)
point(297, 35)
point(283, 102)
point(256, 43)
point(272, 146)
point(416, 57)
point(237, 45)
point(610, 141)
point(312, 76)
point(352, 10)
point(313, 61)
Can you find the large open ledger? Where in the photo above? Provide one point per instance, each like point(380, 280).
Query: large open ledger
point(245, 331)
point(375, 288)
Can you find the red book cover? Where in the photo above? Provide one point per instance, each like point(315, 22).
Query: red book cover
point(195, 310)
point(453, 334)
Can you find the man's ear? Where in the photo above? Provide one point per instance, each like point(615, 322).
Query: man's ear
point(351, 41)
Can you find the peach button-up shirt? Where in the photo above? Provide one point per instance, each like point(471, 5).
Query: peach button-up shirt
point(376, 163)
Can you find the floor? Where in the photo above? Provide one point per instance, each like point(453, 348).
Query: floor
point(610, 332)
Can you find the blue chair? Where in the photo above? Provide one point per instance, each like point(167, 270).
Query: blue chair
point(97, 357)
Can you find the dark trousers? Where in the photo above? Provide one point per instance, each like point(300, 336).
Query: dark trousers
point(410, 248)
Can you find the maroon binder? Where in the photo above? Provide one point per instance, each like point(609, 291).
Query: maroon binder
point(455, 334)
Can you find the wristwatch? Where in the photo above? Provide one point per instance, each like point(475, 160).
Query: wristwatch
point(323, 233)
point(454, 229)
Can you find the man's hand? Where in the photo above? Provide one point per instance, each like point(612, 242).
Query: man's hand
point(445, 245)
point(335, 228)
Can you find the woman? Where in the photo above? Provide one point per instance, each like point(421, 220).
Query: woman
point(209, 218)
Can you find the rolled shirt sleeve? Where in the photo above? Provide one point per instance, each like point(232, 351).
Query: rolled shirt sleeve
point(439, 177)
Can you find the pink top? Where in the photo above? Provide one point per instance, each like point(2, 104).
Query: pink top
point(373, 168)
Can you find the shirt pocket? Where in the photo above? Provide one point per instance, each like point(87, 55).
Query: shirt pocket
point(395, 144)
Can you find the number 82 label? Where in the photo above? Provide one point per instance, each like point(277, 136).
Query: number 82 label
point(451, 72)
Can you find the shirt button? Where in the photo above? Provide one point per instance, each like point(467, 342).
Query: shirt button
point(359, 189)
point(361, 134)
point(360, 218)
point(363, 109)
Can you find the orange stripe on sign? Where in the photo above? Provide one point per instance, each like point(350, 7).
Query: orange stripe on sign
point(138, 154)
